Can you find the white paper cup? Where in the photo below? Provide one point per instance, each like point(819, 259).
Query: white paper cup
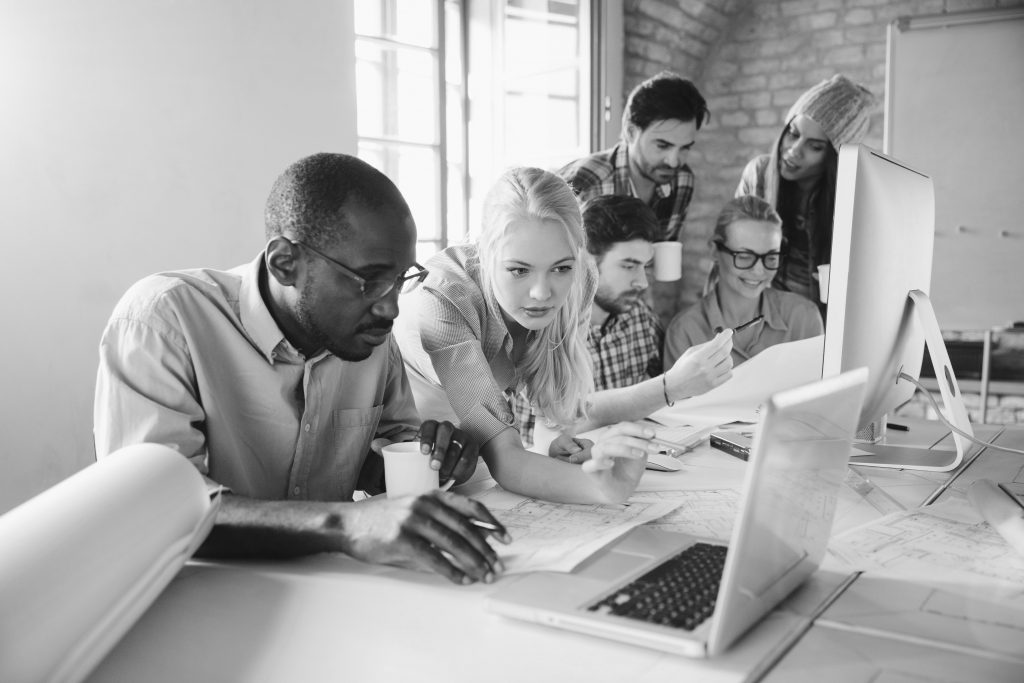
point(823, 283)
point(668, 261)
point(407, 471)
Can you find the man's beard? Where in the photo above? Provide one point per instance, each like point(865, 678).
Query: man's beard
point(619, 304)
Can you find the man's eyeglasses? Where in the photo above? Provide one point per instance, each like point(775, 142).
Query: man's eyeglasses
point(375, 289)
point(745, 260)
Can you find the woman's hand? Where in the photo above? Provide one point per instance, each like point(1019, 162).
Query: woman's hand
point(701, 368)
point(618, 459)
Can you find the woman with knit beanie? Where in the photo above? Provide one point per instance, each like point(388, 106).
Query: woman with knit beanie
point(798, 178)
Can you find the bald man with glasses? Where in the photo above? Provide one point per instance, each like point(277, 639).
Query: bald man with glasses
point(281, 382)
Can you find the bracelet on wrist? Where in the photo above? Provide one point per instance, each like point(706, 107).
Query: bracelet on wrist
point(664, 390)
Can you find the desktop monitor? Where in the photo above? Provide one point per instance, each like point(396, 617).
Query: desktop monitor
point(878, 314)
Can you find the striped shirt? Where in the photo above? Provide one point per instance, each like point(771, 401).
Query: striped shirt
point(625, 350)
point(607, 172)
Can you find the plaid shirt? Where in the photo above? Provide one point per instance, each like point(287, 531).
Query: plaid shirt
point(607, 172)
point(625, 350)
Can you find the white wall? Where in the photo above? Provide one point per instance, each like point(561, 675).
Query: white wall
point(138, 136)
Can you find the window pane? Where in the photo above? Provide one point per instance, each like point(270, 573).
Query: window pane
point(415, 171)
point(397, 93)
point(542, 145)
point(413, 22)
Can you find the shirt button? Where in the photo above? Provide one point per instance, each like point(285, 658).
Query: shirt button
point(307, 427)
point(296, 490)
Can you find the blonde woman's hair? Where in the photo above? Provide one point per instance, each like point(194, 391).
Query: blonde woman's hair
point(555, 367)
point(745, 207)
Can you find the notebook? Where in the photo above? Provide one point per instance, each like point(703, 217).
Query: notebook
point(694, 596)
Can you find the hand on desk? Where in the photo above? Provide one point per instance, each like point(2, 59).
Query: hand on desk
point(701, 368)
point(438, 531)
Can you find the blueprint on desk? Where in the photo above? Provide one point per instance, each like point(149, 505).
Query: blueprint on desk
point(558, 536)
point(948, 539)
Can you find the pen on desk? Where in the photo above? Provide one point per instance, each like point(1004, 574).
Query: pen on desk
point(897, 427)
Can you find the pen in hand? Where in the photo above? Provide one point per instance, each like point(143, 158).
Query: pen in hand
point(742, 327)
point(497, 531)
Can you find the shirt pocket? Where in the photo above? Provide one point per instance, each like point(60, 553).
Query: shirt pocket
point(354, 429)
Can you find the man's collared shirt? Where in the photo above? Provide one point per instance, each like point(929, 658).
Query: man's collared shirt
point(194, 360)
point(787, 317)
point(607, 172)
point(625, 350)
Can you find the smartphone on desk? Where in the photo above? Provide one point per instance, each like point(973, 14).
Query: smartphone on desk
point(734, 443)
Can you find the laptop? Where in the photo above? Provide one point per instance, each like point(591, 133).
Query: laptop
point(693, 596)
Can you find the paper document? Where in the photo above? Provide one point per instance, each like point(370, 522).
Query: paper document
point(708, 514)
point(950, 537)
point(84, 559)
point(558, 536)
point(777, 368)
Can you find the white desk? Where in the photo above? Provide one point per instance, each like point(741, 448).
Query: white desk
point(329, 617)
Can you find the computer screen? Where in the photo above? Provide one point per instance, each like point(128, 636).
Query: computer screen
point(883, 234)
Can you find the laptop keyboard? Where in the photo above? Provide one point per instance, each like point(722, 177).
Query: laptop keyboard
point(680, 592)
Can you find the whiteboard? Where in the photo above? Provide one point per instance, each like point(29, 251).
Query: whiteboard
point(955, 110)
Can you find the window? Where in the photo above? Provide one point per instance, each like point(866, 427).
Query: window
point(444, 141)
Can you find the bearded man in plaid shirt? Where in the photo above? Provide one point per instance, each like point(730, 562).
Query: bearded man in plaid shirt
point(625, 339)
point(659, 128)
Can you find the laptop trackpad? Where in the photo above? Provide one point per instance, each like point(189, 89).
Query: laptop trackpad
point(628, 554)
point(609, 566)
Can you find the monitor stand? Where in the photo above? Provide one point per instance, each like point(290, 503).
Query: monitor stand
point(929, 459)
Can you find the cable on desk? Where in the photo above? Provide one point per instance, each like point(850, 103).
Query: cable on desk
point(953, 428)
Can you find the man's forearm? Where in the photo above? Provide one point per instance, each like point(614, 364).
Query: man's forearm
point(248, 527)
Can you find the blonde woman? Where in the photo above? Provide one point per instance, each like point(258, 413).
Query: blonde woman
point(508, 314)
point(749, 251)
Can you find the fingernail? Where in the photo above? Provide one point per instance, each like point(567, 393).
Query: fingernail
point(489, 577)
point(425, 448)
point(466, 580)
point(435, 464)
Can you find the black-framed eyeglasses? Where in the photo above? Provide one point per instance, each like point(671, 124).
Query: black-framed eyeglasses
point(375, 289)
point(746, 259)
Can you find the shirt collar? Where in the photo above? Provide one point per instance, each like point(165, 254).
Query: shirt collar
point(771, 311)
point(254, 313)
point(769, 308)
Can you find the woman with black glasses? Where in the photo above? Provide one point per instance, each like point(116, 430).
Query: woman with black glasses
point(748, 252)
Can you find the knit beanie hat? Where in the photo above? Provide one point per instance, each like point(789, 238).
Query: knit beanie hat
point(841, 107)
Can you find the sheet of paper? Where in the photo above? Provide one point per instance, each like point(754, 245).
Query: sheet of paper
point(558, 536)
point(948, 537)
point(778, 367)
point(707, 513)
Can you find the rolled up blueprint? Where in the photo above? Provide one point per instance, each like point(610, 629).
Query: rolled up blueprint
point(80, 562)
point(1001, 511)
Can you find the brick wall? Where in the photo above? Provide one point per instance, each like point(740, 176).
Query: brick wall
point(752, 59)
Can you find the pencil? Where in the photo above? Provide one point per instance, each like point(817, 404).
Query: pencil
point(484, 525)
